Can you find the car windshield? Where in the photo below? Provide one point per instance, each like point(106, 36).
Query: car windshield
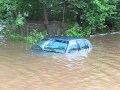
point(51, 45)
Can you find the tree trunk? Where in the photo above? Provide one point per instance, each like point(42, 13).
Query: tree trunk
point(63, 17)
point(45, 18)
point(20, 30)
point(15, 14)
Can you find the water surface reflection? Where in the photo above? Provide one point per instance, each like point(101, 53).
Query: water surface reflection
point(97, 70)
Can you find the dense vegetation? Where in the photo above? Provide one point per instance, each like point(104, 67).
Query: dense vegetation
point(76, 17)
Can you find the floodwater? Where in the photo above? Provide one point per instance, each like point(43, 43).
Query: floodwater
point(99, 69)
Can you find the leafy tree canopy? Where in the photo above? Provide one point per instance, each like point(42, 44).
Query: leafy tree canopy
point(90, 13)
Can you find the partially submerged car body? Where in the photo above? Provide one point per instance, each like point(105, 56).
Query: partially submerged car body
point(61, 44)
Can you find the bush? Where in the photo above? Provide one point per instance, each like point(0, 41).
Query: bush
point(34, 36)
point(31, 38)
point(78, 31)
point(12, 35)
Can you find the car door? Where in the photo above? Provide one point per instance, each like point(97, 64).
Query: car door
point(73, 47)
point(84, 43)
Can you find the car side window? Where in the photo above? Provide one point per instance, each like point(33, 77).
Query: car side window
point(73, 47)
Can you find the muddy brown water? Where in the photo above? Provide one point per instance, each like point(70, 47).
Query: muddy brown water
point(96, 70)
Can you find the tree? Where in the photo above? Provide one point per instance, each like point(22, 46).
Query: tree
point(91, 14)
point(95, 12)
point(6, 9)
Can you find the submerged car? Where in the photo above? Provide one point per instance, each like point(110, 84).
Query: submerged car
point(61, 44)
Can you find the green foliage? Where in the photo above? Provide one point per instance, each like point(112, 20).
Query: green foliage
point(78, 31)
point(19, 20)
point(12, 35)
point(93, 12)
point(100, 10)
point(1, 32)
point(15, 37)
point(34, 36)
point(6, 9)
point(117, 18)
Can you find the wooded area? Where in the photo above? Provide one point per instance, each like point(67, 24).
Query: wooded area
point(92, 16)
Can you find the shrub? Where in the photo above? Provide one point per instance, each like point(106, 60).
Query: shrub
point(34, 36)
point(12, 35)
point(78, 31)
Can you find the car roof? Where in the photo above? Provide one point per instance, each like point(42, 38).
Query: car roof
point(64, 38)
